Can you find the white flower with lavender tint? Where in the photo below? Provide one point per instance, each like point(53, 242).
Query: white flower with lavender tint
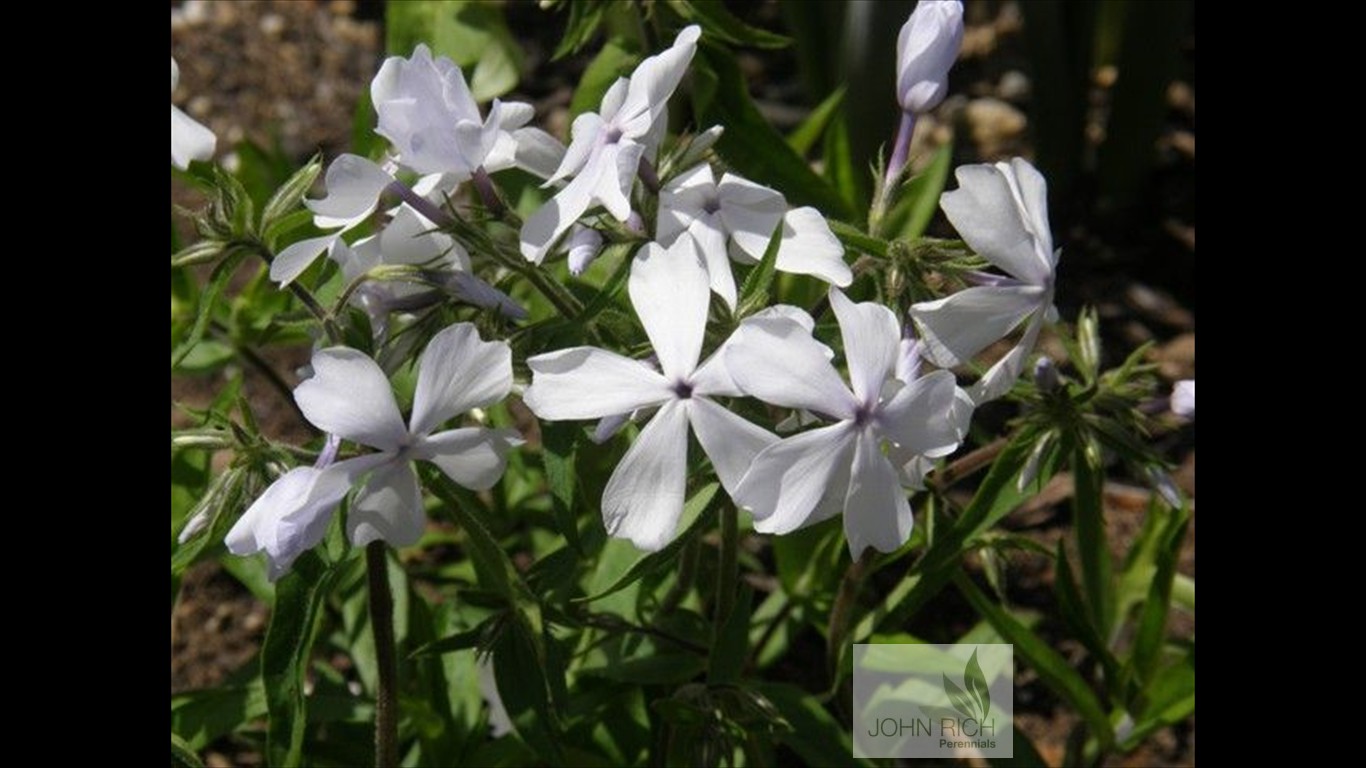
point(349, 396)
point(354, 185)
point(644, 496)
point(736, 218)
point(1001, 211)
point(604, 156)
point(843, 467)
point(428, 114)
point(189, 139)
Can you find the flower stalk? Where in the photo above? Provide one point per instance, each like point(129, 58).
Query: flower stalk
point(382, 623)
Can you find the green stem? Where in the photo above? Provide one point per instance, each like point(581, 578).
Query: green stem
point(382, 622)
point(728, 573)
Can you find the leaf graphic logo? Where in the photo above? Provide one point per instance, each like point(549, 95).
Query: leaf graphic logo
point(974, 703)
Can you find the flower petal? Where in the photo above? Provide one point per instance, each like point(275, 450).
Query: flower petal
point(388, 508)
point(545, 227)
point(620, 163)
point(810, 248)
point(293, 514)
point(419, 101)
point(297, 257)
point(354, 185)
point(589, 383)
point(474, 457)
point(876, 513)
point(729, 441)
point(711, 246)
point(789, 479)
point(537, 152)
point(871, 336)
point(652, 83)
point(989, 216)
point(751, 213)
point(712, 378)
point(459, 371)
point(682, 200)
point(1000, 377)
point(955, 328)
point(644, 497)
point(776, 360)
point(670, 292)
point(585, 132)
point(349, 396)
point(190, 140)
point(921, 419)
point(1032, 191)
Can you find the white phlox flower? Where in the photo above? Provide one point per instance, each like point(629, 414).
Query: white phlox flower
point(1001, 211)
point(427, 113)
point(814, 475)
point(354, 185)
point(644, 497)
point(349, 396)
point(190, 140)
point(735, 219)
point(606, 148)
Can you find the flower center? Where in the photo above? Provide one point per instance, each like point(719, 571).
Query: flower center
point(613, 135)
point(711, 204)
point(864, 414)
point(683, 390)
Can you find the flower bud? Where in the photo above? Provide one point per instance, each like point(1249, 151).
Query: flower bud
point(584, 245)
point(925, 51)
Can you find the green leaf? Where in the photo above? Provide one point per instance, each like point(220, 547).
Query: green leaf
point(182, 755)
point(559, 447)
point(693, 520)
point(719, 22)
point(663, 669)
point(750, 145)
point(728, 654)
point(816, 736)
point(616, 59)
point(754, 293)
point(523, 657)
point(1152, 621)
point(805, 136)
point(1093, 548)
point(854, 238)
point(1055, 671)
point(995, 498)
point(200, 717)
point(976, 682)
point(218, 280)
point(460, 641)
point(1170, 699)
point(496, 571)
point(1073, 610)
point(300, 597)
point(919, 198)
point(584, 20)
point(841, 169)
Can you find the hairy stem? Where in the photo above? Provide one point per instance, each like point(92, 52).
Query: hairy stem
point(382, 622)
